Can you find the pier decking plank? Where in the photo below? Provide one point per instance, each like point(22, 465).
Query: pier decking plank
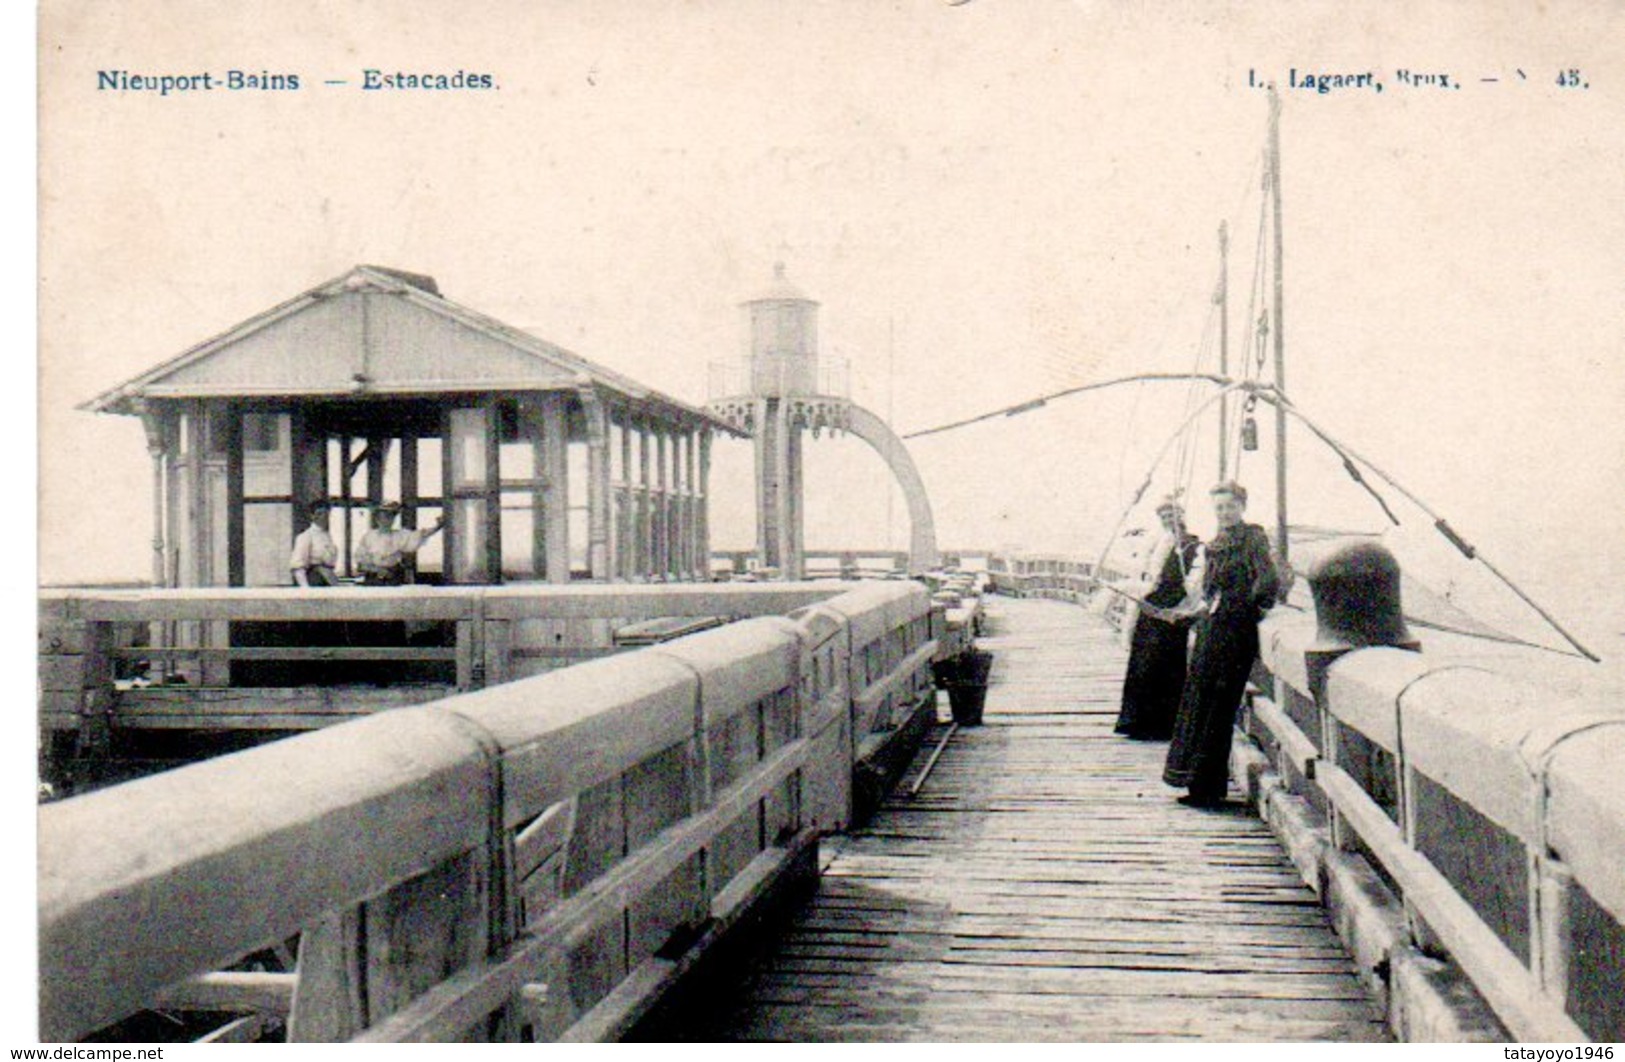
point(1044, 885)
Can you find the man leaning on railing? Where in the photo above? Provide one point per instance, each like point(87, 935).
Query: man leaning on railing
point(383, 552)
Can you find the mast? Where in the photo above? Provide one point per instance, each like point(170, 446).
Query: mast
point(1224, 344)
point(1280, 343)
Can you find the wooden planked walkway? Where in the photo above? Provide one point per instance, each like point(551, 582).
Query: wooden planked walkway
point(1044, 885)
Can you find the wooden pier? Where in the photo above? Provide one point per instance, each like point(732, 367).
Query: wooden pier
point(1043, 884)
point(630, 825)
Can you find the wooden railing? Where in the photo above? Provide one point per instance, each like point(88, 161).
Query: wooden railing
point(481, 636)
point(1442, 812)
point(1055, 577)
point(1493, 811)
point(536, 860)
point(848, 563)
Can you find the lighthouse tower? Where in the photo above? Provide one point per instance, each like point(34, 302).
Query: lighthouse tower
point(781, 390)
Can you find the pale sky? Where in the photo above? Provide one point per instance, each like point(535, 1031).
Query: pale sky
point(991, 201)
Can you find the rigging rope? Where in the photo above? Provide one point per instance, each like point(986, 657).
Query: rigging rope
point(1042, 400)
point(1269, 394)
point(1440, 524)
point(1185, 463)
point(1184, 426)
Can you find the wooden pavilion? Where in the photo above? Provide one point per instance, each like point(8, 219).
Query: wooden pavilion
point(373, 387)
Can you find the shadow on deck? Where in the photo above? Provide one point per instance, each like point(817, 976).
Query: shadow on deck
point(1044, 885)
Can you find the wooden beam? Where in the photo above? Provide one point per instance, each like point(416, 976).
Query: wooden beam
point(348, 790)
point(197, 542)
point(600, 541)
point(556, 456)
point(617, 1013)
point(493, 492)
point(470, 994)
point(345, 497)
point(290, 652)
point(409, 481)
point(697, 560)
point(231, 990)
point(1503, 980)
point(705, 505)
point(623, 500)
point(235, 551)
point(645, 553)
point(255, 708)
point(328, 1003)
point(244, 1030)
point(662, 523)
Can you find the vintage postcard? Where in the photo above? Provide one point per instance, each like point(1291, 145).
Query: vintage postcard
point(395, 359)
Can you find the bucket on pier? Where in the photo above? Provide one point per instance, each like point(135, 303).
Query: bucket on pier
point(965, 679)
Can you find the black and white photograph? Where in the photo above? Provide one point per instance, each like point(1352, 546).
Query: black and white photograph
point(919, 521)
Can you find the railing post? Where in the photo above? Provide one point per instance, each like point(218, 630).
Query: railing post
point(472, 666)
point(498, 649)
point(597, 843)
point(1551, 886)
point(1421, 934)
point(96, 704)
point(360, 966)
point(328, 998)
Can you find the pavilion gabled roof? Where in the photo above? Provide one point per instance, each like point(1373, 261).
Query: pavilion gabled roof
point(378, 331)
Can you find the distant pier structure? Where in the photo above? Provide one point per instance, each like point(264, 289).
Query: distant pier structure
point(782, 390)
point(374, 388)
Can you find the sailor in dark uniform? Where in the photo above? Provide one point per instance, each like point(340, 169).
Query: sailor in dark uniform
point(1239, 585)
point(1156, 661)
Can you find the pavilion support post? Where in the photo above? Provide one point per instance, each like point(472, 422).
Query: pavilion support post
point(158, 433)
point(662, 538)
point(235, 547)
point(197, 500)
point(623, 507)
point(409, 497)
point(556, 465)
point(345, 546)
point(783, 487)
point(691, 565)
point(190, 526)
point(493, 492)
point(599, 543)
point(764, 440)
point(795, 560)
point(217, 671)
point(159, 429)
point(377, 453)
point(674, 535)
point(645, 541)
point(306, 466)
point(703, 521)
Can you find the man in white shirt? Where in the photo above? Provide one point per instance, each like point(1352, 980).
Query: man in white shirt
point(315, 554)
point(381, 556)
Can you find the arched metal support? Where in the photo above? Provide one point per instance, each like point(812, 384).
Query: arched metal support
point(922, 531)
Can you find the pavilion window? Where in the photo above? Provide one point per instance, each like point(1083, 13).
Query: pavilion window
point(259, 494)
point(426, 501)
point(579, 517)
point(521, 457)
point(472, 495)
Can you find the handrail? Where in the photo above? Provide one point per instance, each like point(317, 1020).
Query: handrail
point(586, 601)
point(1494, 810)
point(488, 635)
point(692, 772)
